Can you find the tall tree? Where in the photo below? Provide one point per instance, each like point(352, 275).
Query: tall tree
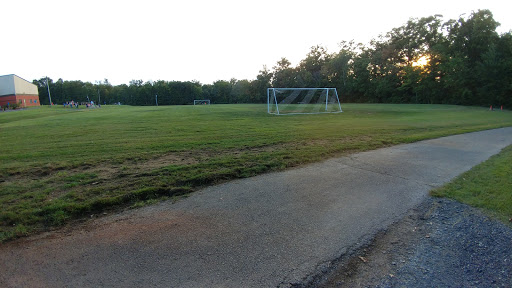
point(341, 71)
point(470, 39)
point(312, 70)
point(284, 75)
point(221, 91)
point(260, 85)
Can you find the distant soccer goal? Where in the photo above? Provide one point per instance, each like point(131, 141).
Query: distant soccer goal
point(282, 101)
point(201, 102)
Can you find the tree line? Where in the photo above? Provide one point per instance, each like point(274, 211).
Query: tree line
point(426, 60)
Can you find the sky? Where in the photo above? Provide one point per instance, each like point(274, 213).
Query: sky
point(195, 40)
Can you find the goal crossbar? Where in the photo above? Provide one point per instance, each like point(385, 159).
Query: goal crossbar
point(272, 100)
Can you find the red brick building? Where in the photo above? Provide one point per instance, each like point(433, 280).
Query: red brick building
point(14, 89)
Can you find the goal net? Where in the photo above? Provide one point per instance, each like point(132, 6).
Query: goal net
point(201, 102)
point(282, 101)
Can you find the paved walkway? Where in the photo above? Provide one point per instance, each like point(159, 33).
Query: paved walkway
point(265, 231)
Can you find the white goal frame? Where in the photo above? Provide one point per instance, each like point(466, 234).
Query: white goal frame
point(199, 101)
point(272, 100)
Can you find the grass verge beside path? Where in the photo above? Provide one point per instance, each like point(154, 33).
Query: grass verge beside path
point(58, 164)
point(487, 186)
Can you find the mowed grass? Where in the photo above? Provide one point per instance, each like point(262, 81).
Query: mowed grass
point(59, 164)
point(487, 186)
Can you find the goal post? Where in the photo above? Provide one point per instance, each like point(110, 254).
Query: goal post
point(202, 102)
point(282, 101)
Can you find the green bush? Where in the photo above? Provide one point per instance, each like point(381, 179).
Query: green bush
point(12, 106)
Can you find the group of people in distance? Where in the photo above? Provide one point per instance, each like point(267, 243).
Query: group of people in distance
point(77, 104)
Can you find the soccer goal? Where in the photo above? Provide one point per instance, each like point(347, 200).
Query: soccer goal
point(201, 102)
point(282, 101)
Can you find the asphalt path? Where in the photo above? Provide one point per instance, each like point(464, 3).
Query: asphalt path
point(272, 230)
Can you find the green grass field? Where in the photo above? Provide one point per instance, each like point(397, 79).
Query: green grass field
point(487, 186)
point(60, 164)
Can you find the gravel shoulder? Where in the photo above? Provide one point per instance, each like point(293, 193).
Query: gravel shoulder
point(440, 243)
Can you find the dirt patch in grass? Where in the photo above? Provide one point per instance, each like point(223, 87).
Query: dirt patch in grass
point(186, 158)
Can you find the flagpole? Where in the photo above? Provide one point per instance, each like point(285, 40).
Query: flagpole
point(49, 95)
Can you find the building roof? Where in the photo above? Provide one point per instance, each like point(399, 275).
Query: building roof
point(16, 76)
point(14, 85)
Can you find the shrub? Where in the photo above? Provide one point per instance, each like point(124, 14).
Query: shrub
point(13, 106)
